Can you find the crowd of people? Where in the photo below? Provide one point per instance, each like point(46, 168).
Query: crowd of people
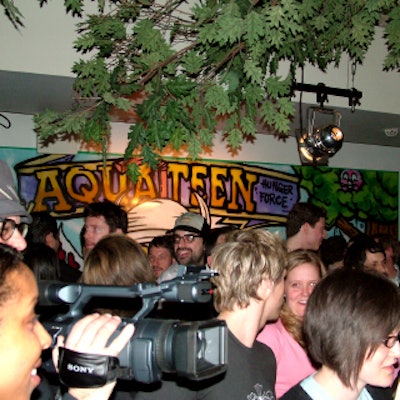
point(307, 317)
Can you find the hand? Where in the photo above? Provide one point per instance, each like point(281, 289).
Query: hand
point(90, 335)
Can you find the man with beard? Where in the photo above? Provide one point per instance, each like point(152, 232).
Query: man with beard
point(189, 239)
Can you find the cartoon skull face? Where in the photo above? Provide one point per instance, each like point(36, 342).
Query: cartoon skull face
point(351, 180)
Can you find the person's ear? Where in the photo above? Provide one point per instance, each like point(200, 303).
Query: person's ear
point(264, 288)
point(305, 227)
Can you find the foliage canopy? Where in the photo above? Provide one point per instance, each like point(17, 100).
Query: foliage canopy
point(201, 61)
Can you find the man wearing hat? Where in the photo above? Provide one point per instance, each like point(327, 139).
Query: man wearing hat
point(189, 235)
point(14, 218)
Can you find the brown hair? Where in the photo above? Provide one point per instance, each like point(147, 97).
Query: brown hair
point(243, 261)
point(292, 323)
point(300, 214)
point(348, 315)
point(117, 260)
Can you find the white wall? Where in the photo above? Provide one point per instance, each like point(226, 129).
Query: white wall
point(265, 149)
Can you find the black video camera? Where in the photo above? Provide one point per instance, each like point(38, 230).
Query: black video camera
point(194, 350)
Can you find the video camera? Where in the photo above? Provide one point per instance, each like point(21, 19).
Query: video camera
point(195, 350)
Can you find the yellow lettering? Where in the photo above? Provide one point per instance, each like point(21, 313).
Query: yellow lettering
point(113, 183)
point(176, 171)
point(199, 173)
point(145, 185)
point(238, 188)
point(49, 189)
point(218, 190)
point(88, 192)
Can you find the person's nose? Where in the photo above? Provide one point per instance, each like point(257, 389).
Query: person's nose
point(306, 291)
point(395, 350)
point(87, 235)
point(44, 337)
point(17, 241)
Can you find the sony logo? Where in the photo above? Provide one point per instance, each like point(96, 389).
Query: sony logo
point(79, 368)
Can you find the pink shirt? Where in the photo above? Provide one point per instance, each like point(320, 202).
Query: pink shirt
point(293, 364)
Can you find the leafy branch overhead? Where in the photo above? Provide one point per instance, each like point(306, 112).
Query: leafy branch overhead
point(206, 65)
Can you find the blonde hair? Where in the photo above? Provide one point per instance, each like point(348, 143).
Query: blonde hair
point(292, 323)
point(243, 261)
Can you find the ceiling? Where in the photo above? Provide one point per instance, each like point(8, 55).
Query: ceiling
point(26, 93)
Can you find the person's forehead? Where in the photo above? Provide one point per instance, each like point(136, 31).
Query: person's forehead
point(98, 220)
point(15, 218)
point(182, 232)
point(159, 249)
point(374, 256)
point(320, 223)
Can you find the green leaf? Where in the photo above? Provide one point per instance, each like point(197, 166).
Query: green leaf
point(192, 62)
point(230, 29)
point(150, 157)
point(84, 43)
point(253, 27)
point(123, 103)
point(12, 13)
point(248, 126)
point(281, 123)
point(275, 87)
point(194, 147)
point(217, 98)
point(133, 172)
point(235, 138)
point(180, 86)
point(286, 107)
point(74, 6)
point(253, 72)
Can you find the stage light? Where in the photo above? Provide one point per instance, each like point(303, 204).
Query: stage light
point(319, 144)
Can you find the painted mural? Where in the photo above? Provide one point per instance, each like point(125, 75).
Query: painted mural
point(243, 194)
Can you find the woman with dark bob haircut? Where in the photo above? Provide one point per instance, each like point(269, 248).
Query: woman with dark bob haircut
point(351, 326)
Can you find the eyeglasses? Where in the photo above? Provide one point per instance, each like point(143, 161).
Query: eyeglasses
point(8, 227)
point(188, 238)
point(390, 341)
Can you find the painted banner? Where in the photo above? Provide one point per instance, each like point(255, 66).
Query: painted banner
point(247, 195)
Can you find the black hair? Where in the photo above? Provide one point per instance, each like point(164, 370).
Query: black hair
point(115, 216)
point(300, 214)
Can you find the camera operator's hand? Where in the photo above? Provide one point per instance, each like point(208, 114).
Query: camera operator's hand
point(90, 335)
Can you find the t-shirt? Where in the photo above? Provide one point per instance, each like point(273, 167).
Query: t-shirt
point(250, 375)
point(309, 389)
point(292, 361)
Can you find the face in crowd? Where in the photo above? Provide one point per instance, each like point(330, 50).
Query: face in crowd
point(22, 337)
point(189, 248)
point(316, 234)
point(13, 232)
point(375, 261)
point(299, 284)
point(160, 259)
point(95, 229)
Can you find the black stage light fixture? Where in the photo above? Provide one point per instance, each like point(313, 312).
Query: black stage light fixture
point(317, 145)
